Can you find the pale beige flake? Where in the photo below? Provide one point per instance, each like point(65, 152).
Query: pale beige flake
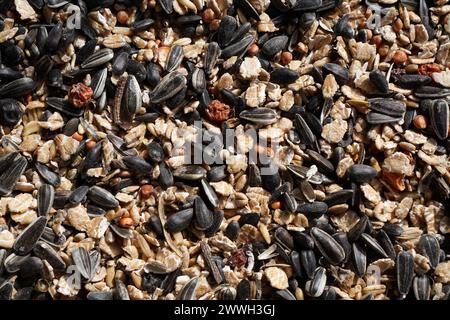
point(414, 137)
point(97, 227)
point(398, 163)
point(277, 278)
point(286, 101)
point(266, 24)
point(8, 34)
point(370, 193)
point(442, 272)
point(250, 68)
point(22, 203)
point(343, 166)
point(66, 146)
point(78, 218)
point(255, 95)
point(442, 78)
point(25, 10)
point(329, 87)
point(6, 239)
point(334, 132)
point(24, 218)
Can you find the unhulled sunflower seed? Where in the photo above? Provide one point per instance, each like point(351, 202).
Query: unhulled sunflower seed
point(305, 132)
point(179, 221)
point(361, 173)
point(274, 45)
point(102, 197)
point(120, 291)
point(283, 76)
point(263, 116)
point(190, 172)
point(429, 247)
point(226, 30)
point(78, 195)
point(17, 88)
point(46, 252)
point(28, 238)
point(48, 175)
point(8, 178)
point(439, 118)
point(169, 86)
point(308, 260)
point(373, 244)
point(238, 47)
point(188, 290)
point(387, 106)
point(405, 271)
point(329, 247)
point(380, 118)
point(316, 285)
point(203, 216)
point(86, 262)
point(213, 52)
point(422, 287)
point(45, 198)
point(175, 58)
point(359, 258)
point(98, 58)
point(379, 80)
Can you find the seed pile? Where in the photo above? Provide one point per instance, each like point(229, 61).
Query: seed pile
point(99, 106)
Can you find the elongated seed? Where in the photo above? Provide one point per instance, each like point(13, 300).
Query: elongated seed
point(329, 247)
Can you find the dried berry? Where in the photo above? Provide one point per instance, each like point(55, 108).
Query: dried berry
point(238, 259)
point(428, 69)
point(80, 95)
point(218, 111)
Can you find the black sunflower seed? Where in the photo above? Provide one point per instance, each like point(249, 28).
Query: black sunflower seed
point(102, 197)
point(359, 258)
point(174, 58)
point(47, 175)
point(17, 88)
point(169, 86)
point(78, 195)
point(239, 47)
point(422, 287)
point(28, 238)
point(226, 30)
point(387, 106)
point(10, 112)
point(439, 118)
point(213, 52)
point(329, 247)
point(179, 221)
point(203, 216)
point(405, 271)
point(373, 244)
point(45, 198)
point(46, 252)
point(316, 285)
point(340, 73)
point(429, 247)
point(283, 76)
point(357, 230)
point(308, 260)
point(263, 116)
point(8, 178)
point(274, 45)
